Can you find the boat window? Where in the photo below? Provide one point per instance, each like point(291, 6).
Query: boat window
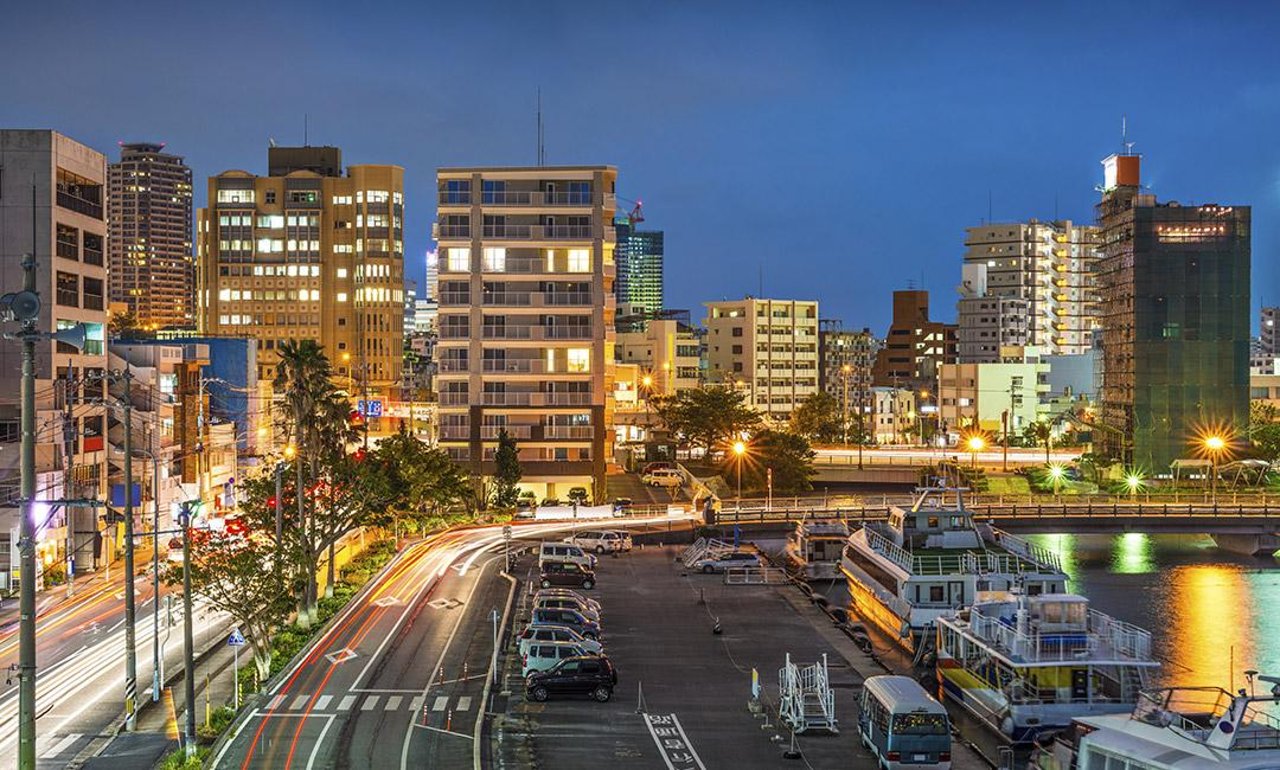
point(1052, 612)
point(1035, 589)
point(933, 522)
point(957, 522)
point(935, 593)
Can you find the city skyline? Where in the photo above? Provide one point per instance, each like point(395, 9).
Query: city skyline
point(841, 100)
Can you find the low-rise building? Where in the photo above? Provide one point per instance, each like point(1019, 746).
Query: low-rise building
point(977, 396)
point(892, 416)
point(667, 352)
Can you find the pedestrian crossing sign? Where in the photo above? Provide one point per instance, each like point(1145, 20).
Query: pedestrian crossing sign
point(236, 639)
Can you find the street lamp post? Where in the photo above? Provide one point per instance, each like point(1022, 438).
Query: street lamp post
point(844, 423)
point(1214, 444)
point(739, 451)
point(975, 444)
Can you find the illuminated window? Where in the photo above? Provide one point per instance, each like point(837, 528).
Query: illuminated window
point(495, 259)
point(551, 260)
point(342, 248)
point(579, 360)
point(551, 361)
point(342, 296)
point(342, 272)
point(579, 261)
point(235, 196)
point(459, 260)
point(271, 220)
point(377, 196)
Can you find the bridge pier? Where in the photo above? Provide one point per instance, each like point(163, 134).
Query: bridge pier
point(1263, 544)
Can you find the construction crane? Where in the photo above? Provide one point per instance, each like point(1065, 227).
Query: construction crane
point(636, 216)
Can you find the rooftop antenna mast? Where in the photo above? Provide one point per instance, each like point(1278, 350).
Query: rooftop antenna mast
point(305, 131)
point(542, 147)
point(1126, 146)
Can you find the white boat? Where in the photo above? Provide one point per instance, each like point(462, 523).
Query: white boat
point(1180, 728)
point(931, 559)
point(814, 548)
point(1027, 665)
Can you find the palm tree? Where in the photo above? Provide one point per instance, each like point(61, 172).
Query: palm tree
point(1042, 432)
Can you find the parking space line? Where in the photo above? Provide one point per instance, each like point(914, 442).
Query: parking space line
point(393, 702)
point(369, 703)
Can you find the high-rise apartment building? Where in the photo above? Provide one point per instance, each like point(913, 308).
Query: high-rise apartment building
point(1174, 284)
point(915, 346)
point(308, 253)
point(770, 346)
point(1050, 265)
point(845, 360)
point(526, 320)
point(53, 206)
point(1269, 339)
point(149, 249)
point(987, 322)
point(639, 286)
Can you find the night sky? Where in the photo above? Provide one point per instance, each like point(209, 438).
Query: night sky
point(838, 148)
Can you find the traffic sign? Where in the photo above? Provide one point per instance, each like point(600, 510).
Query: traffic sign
point(236, 639)
point(370, 408)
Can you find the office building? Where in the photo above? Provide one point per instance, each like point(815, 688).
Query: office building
point(1269, 339)
point(639, 257)
point(987, 322)
point(770, 346)
point(65, 181)
point(152, 271)
point(845, 360)
point(666, 351)
point(915, 346)
point(1050, 265)
point(526, 320)
point(1174, 283)
point(309, 253)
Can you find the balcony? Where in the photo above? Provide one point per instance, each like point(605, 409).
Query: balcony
point(537, 299)
point(455, 399)
point(525, 199)
point(515, 431)
point(539, 232)
point(455, 298)
point(80, 205)
point(536, 399)
point(455, 433)
point(532, 332)
point(448, 365)
point(454, 332)
point(444, 232)
point(569, 431)
point(515, 366)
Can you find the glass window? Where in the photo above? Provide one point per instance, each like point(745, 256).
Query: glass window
point(579, 260)
point(495, 259)
point(459, 259)
point(235, 196)
point(68, 289)
point(579, 359)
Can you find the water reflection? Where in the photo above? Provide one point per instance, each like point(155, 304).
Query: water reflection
point(1133, 554)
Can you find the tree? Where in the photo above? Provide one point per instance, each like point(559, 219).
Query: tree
point(123, 324)
point(239, 576)
point(506, 474)
point(707, 417)
point(787, 454)
point(431, 482)
point(1040, 432)
point(1264, 429)
point(818, 418)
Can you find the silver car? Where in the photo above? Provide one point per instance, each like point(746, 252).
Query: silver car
point(537, 634)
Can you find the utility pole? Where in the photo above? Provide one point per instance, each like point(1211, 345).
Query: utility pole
point(157, 676)
point(130, 611)
point(69, 451)
point(188, 658)
point(26, 531)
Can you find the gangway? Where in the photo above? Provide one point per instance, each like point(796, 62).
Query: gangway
point(703, 547)
point(807, 700)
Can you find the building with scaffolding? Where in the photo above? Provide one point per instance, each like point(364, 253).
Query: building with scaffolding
point(1174, 284)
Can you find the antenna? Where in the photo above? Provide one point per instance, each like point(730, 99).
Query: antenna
point(305, 142)
point(542, 148)
point(1126, 146)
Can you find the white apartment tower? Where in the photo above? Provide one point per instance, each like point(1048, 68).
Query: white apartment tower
point(526, 320)
point(767, 346)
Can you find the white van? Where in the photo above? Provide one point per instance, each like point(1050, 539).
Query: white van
point(600, 541)
point(565, 552)
point(666, 477)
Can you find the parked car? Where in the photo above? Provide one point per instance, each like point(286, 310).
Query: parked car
point(554, 616)
point(566, 573)
point(568, 602)
point(535, 634)
point(668, 478)
point(592, 603)
point(550, 501)
point(594, 676)
point(624, 539)
point(658, 465)
point(549, 552)
point(598, 540)
point(544, 655)
point(723, 561)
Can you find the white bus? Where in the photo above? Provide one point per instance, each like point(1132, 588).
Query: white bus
point(903, 725)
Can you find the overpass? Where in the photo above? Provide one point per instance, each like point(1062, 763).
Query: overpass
point(1246, 528)
point(903, 465)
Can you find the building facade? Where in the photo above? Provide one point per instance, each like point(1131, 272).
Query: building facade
point(845, 362)
point(309, 253)
point(915, 346)
point(1269, 339)
point(667, 352)
point(979, 396)
point(1175, 321)
point(987, 321)
point(1050, 265)
point(152, 270)
point(892, 416)
point(526, 320)
point(768, 345)
point(639, 257)
point(53, 206)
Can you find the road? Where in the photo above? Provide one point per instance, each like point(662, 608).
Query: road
point(80, 659)
point(398, 678)
point(922, 456)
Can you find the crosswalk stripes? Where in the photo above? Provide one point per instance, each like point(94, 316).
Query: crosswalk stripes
point(441, 703)
point(61, 746)
point(369, 703)
point(299, 702)
point(275, 702)
point(393, 703)
point(346, 703)
point(464, 703)
point(329, 703)
point(322, 701)
point(416, 703)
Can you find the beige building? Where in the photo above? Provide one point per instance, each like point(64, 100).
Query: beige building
point(666, 352)
point(1052, 267)
point(67, 234)
point(309, 253)
point(976, 396)
point(526, 320)
point(770, 345)
point(892, 416)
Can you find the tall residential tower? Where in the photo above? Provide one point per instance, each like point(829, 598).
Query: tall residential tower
point(639, 287)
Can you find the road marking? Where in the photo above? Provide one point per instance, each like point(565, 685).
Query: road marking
point(441, 702)
point(323, 701)
point(446, 732)
point(672, 743)
point(60, 746)
point(276, 701)
point(341, 656)
point(346, 702)
point(299, 702)
point(311, 760)
point(388, 601)
point(444, 604)
point(369, 703)
point(416, 703)
point(464, 703)
point(393, 703)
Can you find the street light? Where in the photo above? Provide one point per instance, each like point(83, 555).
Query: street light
point(1056, 472)
point(1133, 481)
point(739, 451)
point(975, 445)
point(1214, 445)
point(844, 424)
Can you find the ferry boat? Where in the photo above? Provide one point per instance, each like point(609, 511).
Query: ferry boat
point(814, 548)
point(1027, 665)
point(931, 559)
point(1180, 728)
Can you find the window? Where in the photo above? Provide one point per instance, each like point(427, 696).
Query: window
point(579, 260)
point(495, 259)
point(342, 272)
point(236, 196)
point(459, 260)
point(342, 296)
point(272, 221)
point(92, 249)
point(579, 360)
point(68, 242)
point(68, 289)
point(736, 331)
point(93, 298)
point(377, 196)
point(736, 350)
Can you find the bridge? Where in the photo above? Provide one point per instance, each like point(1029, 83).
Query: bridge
point(1251, 528)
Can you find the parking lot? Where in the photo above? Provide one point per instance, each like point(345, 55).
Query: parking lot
point(683, 692)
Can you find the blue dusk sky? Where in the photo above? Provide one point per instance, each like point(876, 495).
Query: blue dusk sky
point(838, 149)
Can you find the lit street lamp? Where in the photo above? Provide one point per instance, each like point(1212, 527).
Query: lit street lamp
point(739, 451)
point(1056, 472)
point(1133, 481)
point(975, 444)
point(1214, 445)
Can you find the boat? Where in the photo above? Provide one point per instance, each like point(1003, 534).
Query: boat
point(1177, 728)
point(814, 548)
point(1027, 665)
point(931, 559)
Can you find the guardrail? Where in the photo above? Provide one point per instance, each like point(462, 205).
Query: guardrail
point(1027, 512)
point(755, 576)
